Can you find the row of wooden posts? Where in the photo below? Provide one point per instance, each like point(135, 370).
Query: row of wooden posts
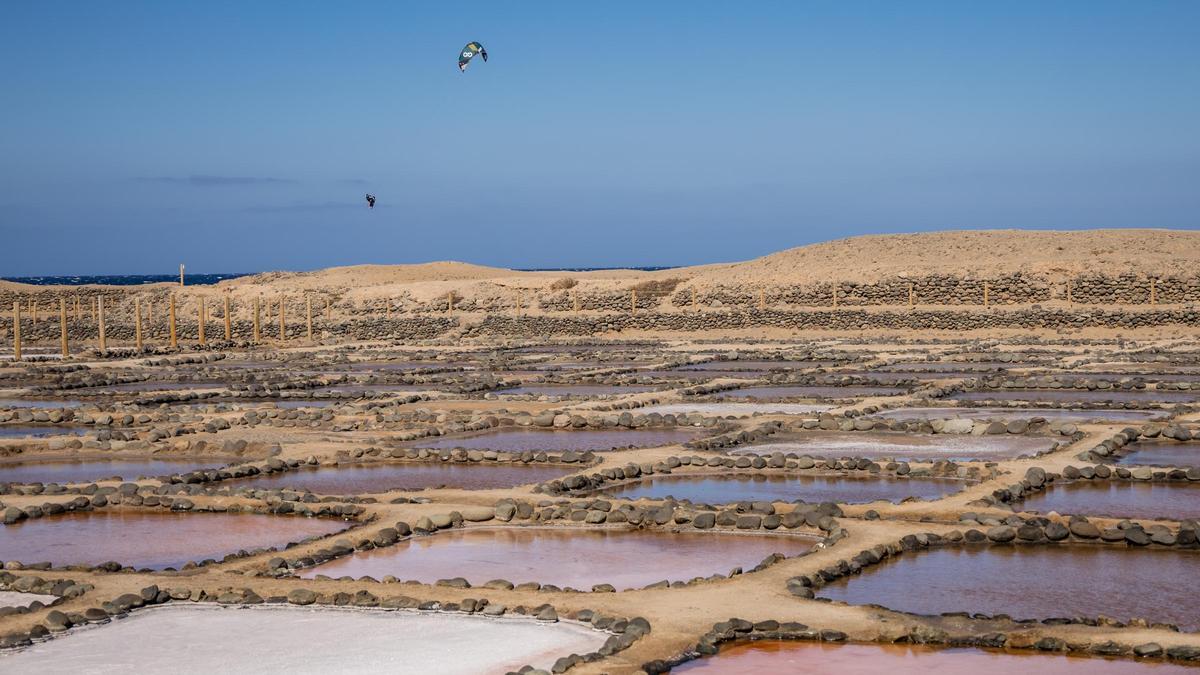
point(201, 316)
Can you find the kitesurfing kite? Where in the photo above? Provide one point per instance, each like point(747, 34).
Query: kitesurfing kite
point(468, 53)
point(371, 201)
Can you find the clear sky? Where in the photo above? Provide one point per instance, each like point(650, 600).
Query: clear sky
point(241, 136)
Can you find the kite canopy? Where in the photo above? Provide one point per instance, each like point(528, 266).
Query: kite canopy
point(468, 53)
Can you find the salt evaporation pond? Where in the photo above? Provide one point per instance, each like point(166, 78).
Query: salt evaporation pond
point(578, 558)
point(974, 368)
point(1032, 582)
point(900, 446)
point(1077, 396)
point(83, 471)
point(1118, 499)
point(253, 640)
point(151, 386)
point(44, 403)
point(815, 391)
point(764, 365)
point(727, 489)
point(821, 658)
point(18, 599)
point(576, 389)
point(1161, 453)
point(372, 478)
point(735, 409)
point(151, 539)
point(510, 439)
point(1007, 414)
point(34, 431)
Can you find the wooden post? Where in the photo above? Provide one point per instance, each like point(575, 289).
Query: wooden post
point(762, 299)
point(100, 320)
point(328, 311)
point(308, 310)
point(282, 321)
point(257, 319)
point(575, 300)
point(835, 289)
point(62, 325)
point(450, 302)
point(181, 275)
point(387, 309)
point(1070, 300)
point(986, 291)
point(228, 321)
point(137, 323)
point(171, 320)
point(1153, 291)
point(200, 336)
point(912, 296)
point(633, 301)
point(693, 297)
point(16, 330)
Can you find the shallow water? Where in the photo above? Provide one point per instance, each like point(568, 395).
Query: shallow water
point(576, 389)
point(82, 471)
point(821, 658)
point(1032, 582)
point(815, 391)
point(1076, 395)
point(897, 376)
point(1162, 453)
point(45, 403)
point(731, 408)
point(36, 431)
point(151, 538)
point(579, 558)
point(153, 386)
point(254, 640)
point(372, 478)
point(974, 368)
point(510, 439)
point(1005, 414)
point(763, 365)
point(900, 446)
point(358, 389)
point(734, 488)
point(1118, 499)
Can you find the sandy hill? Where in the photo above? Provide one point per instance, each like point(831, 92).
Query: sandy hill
point(970, 253)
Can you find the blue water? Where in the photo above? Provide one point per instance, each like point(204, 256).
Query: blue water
point(125, 279)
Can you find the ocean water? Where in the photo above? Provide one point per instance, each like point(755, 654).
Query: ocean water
point(125, 279)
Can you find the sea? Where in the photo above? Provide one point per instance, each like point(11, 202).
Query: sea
point(209, 279)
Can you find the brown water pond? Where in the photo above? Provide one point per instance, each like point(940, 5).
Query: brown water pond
point(1005, 414)
point(1161, 453)
point(47, 403)
point(814, 391)
point(1118, 499)
point(579, 558)
point(85, 471)
point(372, 478)
point(901, 446)
point(1032, 582)
point(823, 658)
point(151, 539)
point(726, 489)
point(731, 408)
point(1077, 395)
point(763, 365)
point(510, 439)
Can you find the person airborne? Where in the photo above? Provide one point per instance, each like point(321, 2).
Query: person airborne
point(371, 200)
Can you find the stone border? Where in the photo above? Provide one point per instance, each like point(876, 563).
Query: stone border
point(1038, 479)
point(64, 589)
point(1122, 443)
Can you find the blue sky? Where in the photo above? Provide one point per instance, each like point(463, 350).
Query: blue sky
point(240, 136)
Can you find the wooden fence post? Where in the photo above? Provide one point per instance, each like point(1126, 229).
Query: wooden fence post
point(762, 299)
point(16, 330)
point(257, 319)
point(328, 311)
point(633, 301)
point(137, 323)
point(100, 319)
point(228, 321)
point(308, 315)
point(575, 300)
point(387, 309)
point(986, 292)
point(835, 290)
point(912, 296)
point(171, 319)
point(282, 321)
point(450, 302)
point(181, 275)
point(694, 298)
point(62, 325)
point(1153, 291)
